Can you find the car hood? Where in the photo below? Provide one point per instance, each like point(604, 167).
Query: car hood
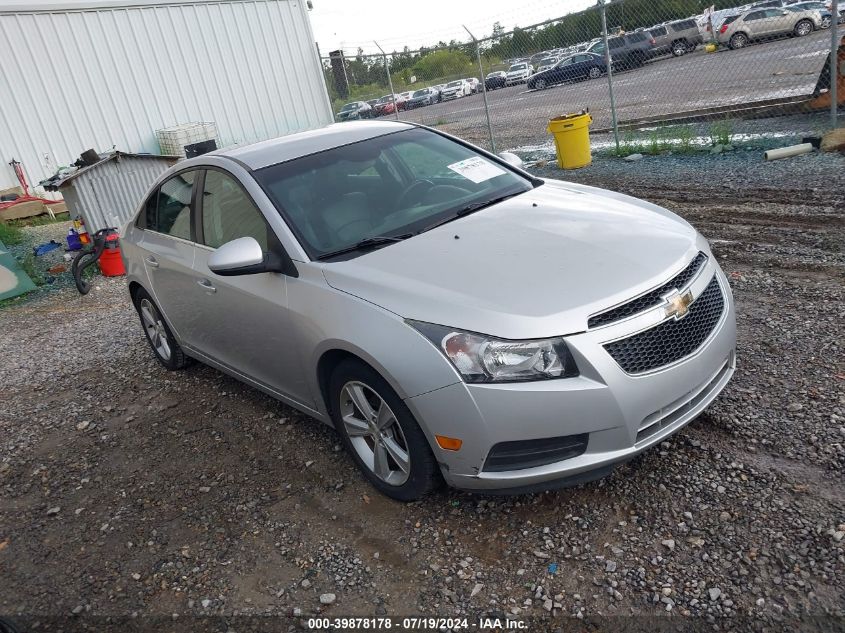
point(536, 265)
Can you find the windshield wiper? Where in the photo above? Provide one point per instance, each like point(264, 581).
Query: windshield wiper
point(470, 208)
point(367, 242)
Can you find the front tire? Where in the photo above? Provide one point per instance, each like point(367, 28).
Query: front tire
point(594, 72)
point(679, 48)
point(803, 28)
point(826, 22)
point(165, 348)
point(539, 84)
point(380, 433)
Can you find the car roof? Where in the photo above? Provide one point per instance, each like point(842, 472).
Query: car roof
point(284, 148)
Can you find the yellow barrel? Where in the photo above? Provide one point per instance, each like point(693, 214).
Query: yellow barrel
point(710, 47)
point(572, 140)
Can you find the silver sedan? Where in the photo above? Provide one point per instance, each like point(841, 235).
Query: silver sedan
point(450, 315)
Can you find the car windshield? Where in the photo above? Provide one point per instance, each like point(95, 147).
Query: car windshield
point(349, 106)
point(421, 93)
point(519, 67)
point(391, 185)
point(454, 84)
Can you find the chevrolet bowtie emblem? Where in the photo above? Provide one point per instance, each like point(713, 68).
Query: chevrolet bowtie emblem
point(677, 304)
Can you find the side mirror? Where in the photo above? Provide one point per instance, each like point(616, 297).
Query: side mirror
point(511, 159)
point(242, 256)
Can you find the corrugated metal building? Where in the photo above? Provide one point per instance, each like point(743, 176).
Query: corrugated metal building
point(80, 74)
point(107, 193)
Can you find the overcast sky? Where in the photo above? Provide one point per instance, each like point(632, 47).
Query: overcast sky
point(348, 24)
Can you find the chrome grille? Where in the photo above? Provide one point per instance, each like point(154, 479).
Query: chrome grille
point(651, 298)
point(671, 340)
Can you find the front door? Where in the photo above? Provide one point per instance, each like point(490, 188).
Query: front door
point(169, 251)
point(246, 323)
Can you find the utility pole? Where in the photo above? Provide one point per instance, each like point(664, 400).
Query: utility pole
point(834, 61)
point(609, 62)
point(483, 91)
point(389, 82)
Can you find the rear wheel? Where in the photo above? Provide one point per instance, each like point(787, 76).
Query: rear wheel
point(804, 27)
point(738, 40)
point(380, 433)
point(679, 48)
point(594, 72)
point(539, 84)
point(159, 336)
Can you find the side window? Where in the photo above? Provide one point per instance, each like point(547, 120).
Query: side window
point(756, 15)
point(228, 212)
point(168, 211)
point(616, 42)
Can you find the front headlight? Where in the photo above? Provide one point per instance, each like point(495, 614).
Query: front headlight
point(481, 358)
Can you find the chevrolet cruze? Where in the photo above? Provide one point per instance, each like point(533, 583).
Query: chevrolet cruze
point(452, 316)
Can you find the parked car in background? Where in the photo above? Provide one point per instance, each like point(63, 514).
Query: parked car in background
point(762, 24)
point(389, 104)
point(372, 103)
point(546, 63)
point(518, 73)
point(424, 97)
point(354, 110)
point(406, 95)
point(456, 89)
point(626, 51)
point(580, 66)
point(474, 84)
point(825, 17)
point(678, 38)
point(496, 79)
point(322, 268)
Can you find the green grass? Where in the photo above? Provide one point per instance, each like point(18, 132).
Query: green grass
point(38, 220)
point(10, 234)
point(29, 267)
point(721, 133)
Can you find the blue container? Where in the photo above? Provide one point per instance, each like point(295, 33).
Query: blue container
point(73, 242)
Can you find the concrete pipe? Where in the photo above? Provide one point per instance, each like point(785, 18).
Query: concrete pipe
point(786, 152)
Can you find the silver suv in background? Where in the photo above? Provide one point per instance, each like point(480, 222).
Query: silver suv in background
point(677, 38)
point(737, 31)
point(381, 278)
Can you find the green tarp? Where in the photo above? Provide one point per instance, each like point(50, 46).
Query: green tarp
point(13, 280)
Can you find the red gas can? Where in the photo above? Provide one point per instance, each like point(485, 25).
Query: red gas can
point(111, 262)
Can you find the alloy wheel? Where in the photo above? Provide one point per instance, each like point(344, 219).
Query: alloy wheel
point(595, 72)
point(155, 329)
point(375, 433)
point(738, 41)
point(825, 23)
point(679, 49)
point(540, 84)
point(803, 28)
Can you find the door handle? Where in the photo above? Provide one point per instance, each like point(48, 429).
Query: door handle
point(205, 284)
point(152, 262)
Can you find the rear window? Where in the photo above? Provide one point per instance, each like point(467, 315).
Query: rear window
point(684, 25)
point(730, 18)
point(660, 30)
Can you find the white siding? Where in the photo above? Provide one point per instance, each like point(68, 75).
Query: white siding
point(73, 79)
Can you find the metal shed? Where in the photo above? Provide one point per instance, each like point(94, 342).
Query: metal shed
point(107, 193)
point(108, 73)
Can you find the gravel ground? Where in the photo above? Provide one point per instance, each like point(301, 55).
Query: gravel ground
point(131, 491)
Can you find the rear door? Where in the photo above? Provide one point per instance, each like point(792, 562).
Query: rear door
point(246, 323)
point(169, 251)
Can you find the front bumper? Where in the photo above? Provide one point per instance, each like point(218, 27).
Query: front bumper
point(622, 414)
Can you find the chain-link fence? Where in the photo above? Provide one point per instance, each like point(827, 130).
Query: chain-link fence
point(661, 75)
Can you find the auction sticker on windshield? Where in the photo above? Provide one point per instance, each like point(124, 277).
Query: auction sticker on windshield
point(476, 169)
